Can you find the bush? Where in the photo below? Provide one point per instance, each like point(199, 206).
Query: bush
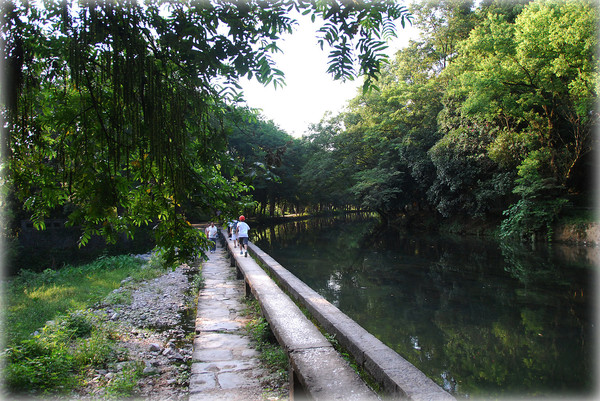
point(53, 361)
point(79, 323)
point(539, 206)
point(36, 366)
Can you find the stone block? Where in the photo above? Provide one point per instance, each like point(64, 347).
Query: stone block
point(221, 340)
point(237, 379)
point(202, 382)
point(324, 375)
point(224, 366)
point(211, 355)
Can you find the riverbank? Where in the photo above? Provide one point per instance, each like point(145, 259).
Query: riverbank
point(150, 328)
point(580, 233)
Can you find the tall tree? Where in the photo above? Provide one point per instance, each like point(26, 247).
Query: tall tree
point(536, 80)
point(327, 174)
point(443, 25)
point(114, 110)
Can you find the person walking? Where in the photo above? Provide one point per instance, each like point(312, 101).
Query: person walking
point(242, 232)
point(212, 236)
point(234, 235)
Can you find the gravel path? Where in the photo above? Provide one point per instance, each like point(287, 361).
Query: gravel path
point(156, 324)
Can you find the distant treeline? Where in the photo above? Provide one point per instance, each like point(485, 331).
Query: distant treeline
point(489, 115)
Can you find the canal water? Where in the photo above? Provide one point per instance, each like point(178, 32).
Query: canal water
point(483, 319)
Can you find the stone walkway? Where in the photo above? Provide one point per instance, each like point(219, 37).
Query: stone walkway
point(224, 363)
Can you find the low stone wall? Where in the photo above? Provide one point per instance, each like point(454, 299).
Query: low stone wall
point(398, 377)
point(317, 371)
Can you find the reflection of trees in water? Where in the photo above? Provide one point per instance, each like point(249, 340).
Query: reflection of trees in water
point(336, 230)
point(488, 319)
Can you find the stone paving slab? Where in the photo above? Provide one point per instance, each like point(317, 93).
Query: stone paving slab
point(225, 365)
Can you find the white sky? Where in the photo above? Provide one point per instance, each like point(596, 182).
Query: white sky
point(309, 92)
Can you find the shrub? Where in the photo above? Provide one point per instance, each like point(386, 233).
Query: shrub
point(539, 205)
point(79, 323)
point(53, 361)
point(36, 366)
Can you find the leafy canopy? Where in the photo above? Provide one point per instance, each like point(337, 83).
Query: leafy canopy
point(114, 110)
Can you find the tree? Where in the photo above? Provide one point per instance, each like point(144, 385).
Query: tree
point(468, 182)
point(536, 81)
point(444, 24)
point(326, 175)
point(261, 149)
point(114, 110)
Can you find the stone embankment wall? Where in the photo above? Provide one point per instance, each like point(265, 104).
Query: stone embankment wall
point(398, 378)
point(583, 234)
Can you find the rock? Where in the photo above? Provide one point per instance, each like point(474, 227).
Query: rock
point(172, 353)
point(121, 365)
point(154, 347)
point(150, 370)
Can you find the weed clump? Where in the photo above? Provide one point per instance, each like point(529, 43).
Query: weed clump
point(272, 355)
point(56, 360)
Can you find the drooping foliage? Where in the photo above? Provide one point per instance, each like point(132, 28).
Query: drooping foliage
point(114, 110)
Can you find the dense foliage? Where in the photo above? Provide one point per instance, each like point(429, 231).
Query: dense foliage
point(114, 111)
point(489, 115)
point(124, 115)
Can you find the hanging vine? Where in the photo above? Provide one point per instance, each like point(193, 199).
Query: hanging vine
point(116, 108)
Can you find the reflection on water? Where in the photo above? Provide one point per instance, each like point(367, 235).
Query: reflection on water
point(480, 318)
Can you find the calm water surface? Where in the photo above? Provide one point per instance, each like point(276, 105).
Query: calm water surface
point(482, 319)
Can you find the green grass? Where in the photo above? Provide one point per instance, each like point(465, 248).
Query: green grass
point(125, 383)
point(57, 359)
point(271, 353)
point(36, 298)
point(71, 339)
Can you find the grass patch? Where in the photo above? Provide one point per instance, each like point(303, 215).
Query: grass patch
point(124, 384)
point(56, 360)
point(36, 298)
point(53, 339)
point(272, 355)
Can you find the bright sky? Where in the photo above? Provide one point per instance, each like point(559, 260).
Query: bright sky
point(309, 92)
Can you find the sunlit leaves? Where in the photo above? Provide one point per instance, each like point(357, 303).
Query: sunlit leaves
point(115, 110)
point(536, 75)
point(357, 32)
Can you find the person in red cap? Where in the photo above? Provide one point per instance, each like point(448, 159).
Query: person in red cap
point(242, 231)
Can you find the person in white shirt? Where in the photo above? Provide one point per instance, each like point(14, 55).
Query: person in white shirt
point(242, 232)
point(212, 236)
